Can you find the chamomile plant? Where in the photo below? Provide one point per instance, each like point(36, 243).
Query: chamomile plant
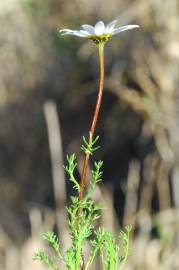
point(83, 211)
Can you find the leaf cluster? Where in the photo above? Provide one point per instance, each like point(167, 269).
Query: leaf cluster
point(89, 147)
point(82, 215)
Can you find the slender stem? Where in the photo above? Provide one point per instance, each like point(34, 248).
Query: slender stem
point(95, 118)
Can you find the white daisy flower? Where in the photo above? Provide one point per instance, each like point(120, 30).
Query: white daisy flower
point(98, 33)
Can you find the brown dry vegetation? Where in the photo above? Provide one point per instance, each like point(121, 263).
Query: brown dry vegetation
point(45, 77)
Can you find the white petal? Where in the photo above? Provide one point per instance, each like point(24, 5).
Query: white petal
point(99, 28)
point(110, 27)
point(66, 30)
point(124, 28)
point(89, 28)
point(85, 33)
point(81, 33)
point(68, 33)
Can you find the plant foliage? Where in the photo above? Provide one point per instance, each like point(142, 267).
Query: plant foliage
point(82, 214)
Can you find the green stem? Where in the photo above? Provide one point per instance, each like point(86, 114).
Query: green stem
point(91, 259)
point(102, 260)
point(126, 253)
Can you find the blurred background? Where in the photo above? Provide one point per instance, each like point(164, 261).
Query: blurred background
point(48, 88)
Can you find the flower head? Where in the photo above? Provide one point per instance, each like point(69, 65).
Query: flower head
point(98, 33)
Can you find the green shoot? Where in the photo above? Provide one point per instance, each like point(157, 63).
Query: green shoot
point(88, 147)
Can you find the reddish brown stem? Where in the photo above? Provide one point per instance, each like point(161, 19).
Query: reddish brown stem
point(94, 120)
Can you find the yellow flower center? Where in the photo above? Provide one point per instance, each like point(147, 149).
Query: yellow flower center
point(100, 39)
